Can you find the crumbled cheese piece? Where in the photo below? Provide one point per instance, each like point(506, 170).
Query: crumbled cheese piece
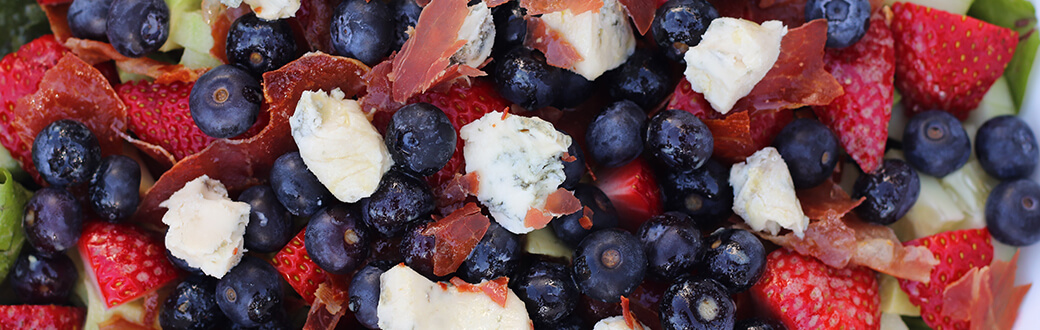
point(603, 38)
point(206, 227)
point(268, 9)
point(407, 300)
point(479, 32)
point(518, 162)
point(764, 196)
point(617, 323)
point(339, 145)
point(733, 56)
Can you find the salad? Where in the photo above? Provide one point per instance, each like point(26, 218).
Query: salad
point(497, 164)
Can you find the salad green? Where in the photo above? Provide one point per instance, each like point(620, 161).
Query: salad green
point(13, 198)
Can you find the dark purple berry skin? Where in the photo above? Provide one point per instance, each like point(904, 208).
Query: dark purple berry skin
point(573, 169)
point(115, 188)
point(41, 280)
point(225, 101)
point(270, 224)
point(568, 227)
point(363, 30)
point(66, 153)
point(523, 77)
point(399, 200)
point(678, 140)
point(497, 255)
point(1013, 212)
point(810, 150)
point(420, 139)
point(1007, 148)
point(672, 243)
point(643, 79)
point(757, 323)
point(615, 136)
point(847, 20)
point(547, 291)
point(417, 249)
point(406, 15)
point(137, 27)
point(251, 293)
point(336, 239)
point(192, 305)
point(735, 258)
point(363, 296)
point(296, 187)
point(890, 192)
point(258, 45)
point(681, 305)
point(935, 143)
point(53, 221)
point(704, 193)
point(680, 24)
point(88, 19)
point(609, 264)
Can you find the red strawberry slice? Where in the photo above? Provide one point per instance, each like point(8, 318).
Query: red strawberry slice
point(298, 269)
point(804, 293)
point(159, 115)
point(125, 261)
point(957, 252)
point(634, 192)
point(20, 75)
point(860, 117)
point(947, 61)
point(41, 317)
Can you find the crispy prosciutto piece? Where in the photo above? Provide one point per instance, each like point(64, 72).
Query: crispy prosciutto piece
point(455, 236)
point(329, 304)
point(732, 136)
point(986, 297)
point(94, 52)
point(791, 12)
point(558, 51)
point(497, 289)
point(239, 164)
point(538, 7)
point(642, 13)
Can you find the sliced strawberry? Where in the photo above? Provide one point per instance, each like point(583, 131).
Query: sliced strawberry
point(860, 117)
point(159, 115)
point(298, 269)
point(41, 317)
point(126, 262)
point(947, 61)
point(804, 293)
point(958, 252)
point(634, 192)
point(20, 75)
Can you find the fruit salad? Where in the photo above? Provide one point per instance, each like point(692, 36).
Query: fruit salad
point(516, 164)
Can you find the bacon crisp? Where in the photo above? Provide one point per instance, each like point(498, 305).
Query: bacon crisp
point(538, 7)
point(239, 164)
point(455, 236)
point(424, 59)
point(642, 13)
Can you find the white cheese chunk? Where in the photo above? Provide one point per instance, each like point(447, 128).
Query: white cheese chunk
point(339, 145)
point(764, 196)
point(268, 9)
point(478, 30)
point(603, 38)
point(407, 300)
point(617, 323)
point(206, 227)
point(733, 56)
point(518, 162)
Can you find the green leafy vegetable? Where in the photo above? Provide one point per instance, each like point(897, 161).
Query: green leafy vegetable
point(1018, 15)
point(12, 203)
point(21, 22)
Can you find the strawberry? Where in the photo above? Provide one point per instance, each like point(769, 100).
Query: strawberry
point(633, 190)
point(126, 262)
point(159, 115)
point(957, 252)
point(947, 61)
point(20, 75)
point(298, 269)
point(41, 317)
point(860, 117)
point(804, 293)
point(463, 104)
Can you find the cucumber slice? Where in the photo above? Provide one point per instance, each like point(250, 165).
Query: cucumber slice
point(192, 32)
point(544, 241)
point(894, 301)
point(196, 60)
point(177, 9)
point(997, 102)
point(1018, 15)
point(953, 6)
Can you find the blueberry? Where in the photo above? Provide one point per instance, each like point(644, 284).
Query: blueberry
point(251, 293)
point(115, 188)
point(573, 90)
point(1007, 148)
point(225, 101)
point(270, 224)
point(363, 30)
point(569, 227)
point(890, 192)
point(609, 264)
point(137, 27)
point(420, 138)
point(258, 45)
point(571, 322)
point(847, 20)
point(679, 140)
point(496, 255)
point(694, 303)
point(810, 150)
point(417, 249)
point(385, 252)
point(41, 280)
point(757, 323)
point(573, 169)
point(523, 77)
point(510, 25)
point(406, 16)
point(66, 153)
point(1013, 212)
point(88, 19)
point(296, 187)
point(643, 79)
point(735, 258)
point(704, 193)
point(547, 291)
point(935, 143)
point(335, 239)
point(183, 265)
point(672, 245)
point(680, 24)
point(615, 136)
point(53, 221)
point(192, 305)
point(363, 296)
point(399, 200)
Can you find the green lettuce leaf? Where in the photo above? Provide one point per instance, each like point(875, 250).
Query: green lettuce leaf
point(13, 198)
point(1018, 15)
